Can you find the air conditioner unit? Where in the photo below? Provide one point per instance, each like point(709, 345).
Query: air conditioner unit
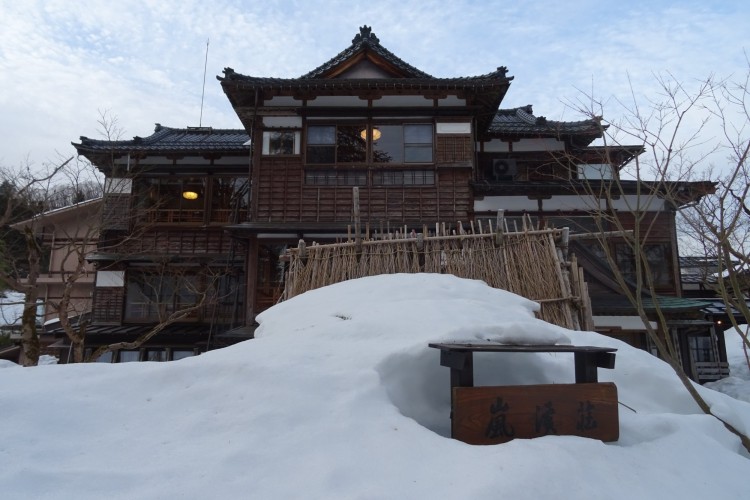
point(503, 169)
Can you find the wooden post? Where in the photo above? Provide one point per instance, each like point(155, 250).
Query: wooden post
point(499, 227)
point(357, 225)
point(251, 264)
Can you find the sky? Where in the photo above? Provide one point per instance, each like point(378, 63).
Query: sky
point(340, 397)
point(63, 64)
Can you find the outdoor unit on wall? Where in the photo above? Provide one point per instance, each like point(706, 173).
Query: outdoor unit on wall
point(503, 169)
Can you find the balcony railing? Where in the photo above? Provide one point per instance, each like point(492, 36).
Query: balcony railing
point(178, 216)
point(149, 312)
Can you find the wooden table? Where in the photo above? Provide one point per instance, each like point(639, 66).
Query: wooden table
point(459, 358)
point(490, 415)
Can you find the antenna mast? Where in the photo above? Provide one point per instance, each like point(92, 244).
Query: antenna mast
point(203, 92)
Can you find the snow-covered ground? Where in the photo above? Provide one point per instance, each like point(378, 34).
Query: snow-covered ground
point(737, 384)
point(340, 397)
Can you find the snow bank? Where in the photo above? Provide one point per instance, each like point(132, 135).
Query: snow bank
point(340, 397)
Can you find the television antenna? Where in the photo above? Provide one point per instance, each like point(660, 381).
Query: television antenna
point(203, 91)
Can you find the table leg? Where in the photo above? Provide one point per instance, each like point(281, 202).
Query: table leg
point(586, 367)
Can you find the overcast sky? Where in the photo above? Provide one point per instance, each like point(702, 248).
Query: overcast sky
point(64, 62)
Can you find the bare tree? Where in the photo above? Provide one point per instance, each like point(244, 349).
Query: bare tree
point(165, 286)
point(27, 188)
point(169, 295)
point(720, 223)
point(633, 203)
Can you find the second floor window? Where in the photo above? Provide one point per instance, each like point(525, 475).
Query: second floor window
point(155, 296)
point(362, 143)
point(402, 143)
point(659, 262)
point(281, 142)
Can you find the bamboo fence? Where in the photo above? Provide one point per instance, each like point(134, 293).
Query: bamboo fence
point(530, 262)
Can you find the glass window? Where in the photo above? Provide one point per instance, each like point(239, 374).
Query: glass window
point(129, 356)
point(154, 296)
point(105, 358)
point(403, 178)
point(389, 147)
point(595, 171)
point(172, 200)
point(409, 143)
point(657, 256)
point(229, 199)
point(701, 348)
point(321, 144)
point(280, 142)
point(156, 355)
point(418, 143)
point(351, 147)
point(178, 354)
point(336, 177)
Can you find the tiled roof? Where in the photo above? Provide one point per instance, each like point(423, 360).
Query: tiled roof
point(366, 40)
point(698, 270)
point(495, 78)
point(522, 121)
point(167, 139)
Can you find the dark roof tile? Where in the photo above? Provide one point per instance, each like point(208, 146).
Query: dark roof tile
point(522, 121)
point(166, 139)
point(366, 40)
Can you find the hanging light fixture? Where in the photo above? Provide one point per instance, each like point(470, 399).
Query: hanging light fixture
point(375, 134)
point(189, 190)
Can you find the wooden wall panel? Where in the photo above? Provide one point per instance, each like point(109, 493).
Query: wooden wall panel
point(279, 190)
point(661, 225)
point(176, 241)
point(116, 212)
point(454, 149)
point(283, 196)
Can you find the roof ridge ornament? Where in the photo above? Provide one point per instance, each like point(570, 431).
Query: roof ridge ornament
point(366, 35)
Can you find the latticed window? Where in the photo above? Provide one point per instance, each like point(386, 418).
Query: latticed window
point(403, 178)
point(329, 177)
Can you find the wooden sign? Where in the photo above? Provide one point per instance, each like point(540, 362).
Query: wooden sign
point(491, 415)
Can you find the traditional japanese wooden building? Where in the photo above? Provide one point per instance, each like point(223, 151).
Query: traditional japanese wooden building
point(163, 250)
point(420, 149)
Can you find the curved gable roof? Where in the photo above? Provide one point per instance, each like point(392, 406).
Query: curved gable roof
point(395, 73)
point(365, 43)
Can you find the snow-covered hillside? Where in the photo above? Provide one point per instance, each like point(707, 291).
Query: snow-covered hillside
point(340, 397)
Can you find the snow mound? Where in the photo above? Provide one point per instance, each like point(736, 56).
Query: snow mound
point(341, 397)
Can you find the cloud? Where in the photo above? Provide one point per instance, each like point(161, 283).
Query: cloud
point(61, 62)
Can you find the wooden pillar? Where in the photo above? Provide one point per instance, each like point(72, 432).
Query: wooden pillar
point(251, 264)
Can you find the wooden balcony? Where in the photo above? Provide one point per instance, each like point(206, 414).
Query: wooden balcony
point(189, 217)
point(710, 371)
